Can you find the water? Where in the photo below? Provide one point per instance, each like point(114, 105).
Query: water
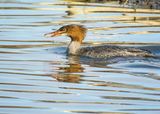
point(37, 77)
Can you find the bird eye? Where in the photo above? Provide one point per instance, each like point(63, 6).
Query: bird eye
point(63, 29)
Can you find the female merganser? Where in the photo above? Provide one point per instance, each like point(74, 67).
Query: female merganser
point(77, 34)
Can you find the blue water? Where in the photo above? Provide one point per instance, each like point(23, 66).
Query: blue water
point(37, 77)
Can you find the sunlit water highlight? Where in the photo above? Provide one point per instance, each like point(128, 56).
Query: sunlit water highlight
point(37, 77)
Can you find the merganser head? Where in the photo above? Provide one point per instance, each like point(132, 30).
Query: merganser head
point(75, 32)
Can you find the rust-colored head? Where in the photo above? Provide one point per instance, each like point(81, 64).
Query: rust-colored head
point(75, 32)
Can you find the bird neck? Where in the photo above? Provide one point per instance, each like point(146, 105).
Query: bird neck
point(74, 47)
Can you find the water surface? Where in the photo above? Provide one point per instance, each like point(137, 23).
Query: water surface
point(37, 77)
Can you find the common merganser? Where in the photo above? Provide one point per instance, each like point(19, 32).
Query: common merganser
point(77, 34)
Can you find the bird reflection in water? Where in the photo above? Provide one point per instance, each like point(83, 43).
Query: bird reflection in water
point(68, 73)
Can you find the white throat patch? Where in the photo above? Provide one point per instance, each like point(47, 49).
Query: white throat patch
point(73, 47)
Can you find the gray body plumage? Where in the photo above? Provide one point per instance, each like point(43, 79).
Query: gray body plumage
point(108, 51)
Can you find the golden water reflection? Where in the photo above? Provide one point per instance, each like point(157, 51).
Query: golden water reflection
point(69, 73)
